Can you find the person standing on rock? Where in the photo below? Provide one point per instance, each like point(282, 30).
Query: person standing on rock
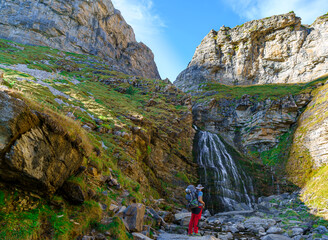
point(196, 213)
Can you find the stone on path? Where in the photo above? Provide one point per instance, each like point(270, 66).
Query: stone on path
point(275, 237)
point(134, 216)
point(139, 236)
point(168, 236)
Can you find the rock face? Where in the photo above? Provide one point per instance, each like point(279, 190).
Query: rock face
point(310, 143)
point(80, 26)
point(271, 50)
point(134, 217)
point(248, 124)
point(34, 153)
point(163, 144)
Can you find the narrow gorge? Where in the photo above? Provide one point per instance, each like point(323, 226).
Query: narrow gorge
point(95, 145)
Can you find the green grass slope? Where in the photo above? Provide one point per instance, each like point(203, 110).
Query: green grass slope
point(125, 123)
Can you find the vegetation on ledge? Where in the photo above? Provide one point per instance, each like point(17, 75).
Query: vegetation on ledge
point(124, 123)
point(258, 92)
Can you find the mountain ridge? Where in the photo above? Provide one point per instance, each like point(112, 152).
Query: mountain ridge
point(277, 49)
point(79, 26)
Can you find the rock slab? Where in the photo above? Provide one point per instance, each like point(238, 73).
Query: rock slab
point(79, 26)
point(134, 217)
point(34, 151)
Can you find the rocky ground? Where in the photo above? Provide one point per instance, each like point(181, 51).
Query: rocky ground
point(275, 217)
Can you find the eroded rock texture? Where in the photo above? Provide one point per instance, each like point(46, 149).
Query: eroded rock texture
point(248, 124)
point(309, 151)
point(277, 49)
point(80, 26)
point(34, 153)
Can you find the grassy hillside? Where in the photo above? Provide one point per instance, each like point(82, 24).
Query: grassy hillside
point(259, 92)
point(123, 122)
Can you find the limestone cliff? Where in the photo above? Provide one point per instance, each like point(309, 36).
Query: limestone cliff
point(310, 144)
point(78, 26)
point(249, 124)
point(277, 49)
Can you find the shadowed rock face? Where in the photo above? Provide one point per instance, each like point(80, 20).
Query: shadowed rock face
point(33, 153)
point(248, 124)
point(79, 26)
point(271, 50)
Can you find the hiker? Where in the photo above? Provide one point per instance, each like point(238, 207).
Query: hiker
point(196, 213)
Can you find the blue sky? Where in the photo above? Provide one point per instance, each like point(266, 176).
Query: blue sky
point(174, 28)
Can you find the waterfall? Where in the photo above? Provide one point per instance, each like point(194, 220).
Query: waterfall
point(228, 187)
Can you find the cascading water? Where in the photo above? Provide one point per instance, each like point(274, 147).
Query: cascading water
point(227, 185)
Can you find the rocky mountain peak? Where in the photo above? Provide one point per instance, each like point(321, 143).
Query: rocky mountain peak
point(277, 49)
point(80, 26)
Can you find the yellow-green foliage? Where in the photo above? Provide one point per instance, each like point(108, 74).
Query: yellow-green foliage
point(279, 154)
point(300, 166)
point(40, 221)
point(106, 108)
point(90, 99)
point(116, 229)
point(260, 92)
point(183, 177)
point(315, 192)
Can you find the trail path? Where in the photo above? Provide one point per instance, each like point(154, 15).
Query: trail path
point(168, 236)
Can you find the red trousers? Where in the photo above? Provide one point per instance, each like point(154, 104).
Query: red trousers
point(193, 224)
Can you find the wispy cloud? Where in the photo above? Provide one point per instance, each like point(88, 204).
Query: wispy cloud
point(141, 16)
point(150, 29)
point(254, 9)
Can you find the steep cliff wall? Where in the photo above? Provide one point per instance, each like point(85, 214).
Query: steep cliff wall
point(249, 124)
point(79, 26)
point(309, 151)
point(277, 49)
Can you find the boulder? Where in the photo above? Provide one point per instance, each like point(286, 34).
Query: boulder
point(253, 224)
point(297, 231)
point(274, 230)
point(139, 236)
point(134, 217)
point(321, 229)
point(182, 215)
point(73, 192)
point(275, 237)
point(35, 151)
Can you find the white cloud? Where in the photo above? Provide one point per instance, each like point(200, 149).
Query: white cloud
point(150, 29)
point(254, 9)
point(140, 15)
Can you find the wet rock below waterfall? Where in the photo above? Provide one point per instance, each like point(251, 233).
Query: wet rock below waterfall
point(168, 236)
point(284, 217)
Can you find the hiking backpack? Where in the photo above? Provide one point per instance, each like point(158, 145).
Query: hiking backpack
point(192, 197)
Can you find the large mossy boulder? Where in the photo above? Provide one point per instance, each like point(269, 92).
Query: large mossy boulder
point(35, 151)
